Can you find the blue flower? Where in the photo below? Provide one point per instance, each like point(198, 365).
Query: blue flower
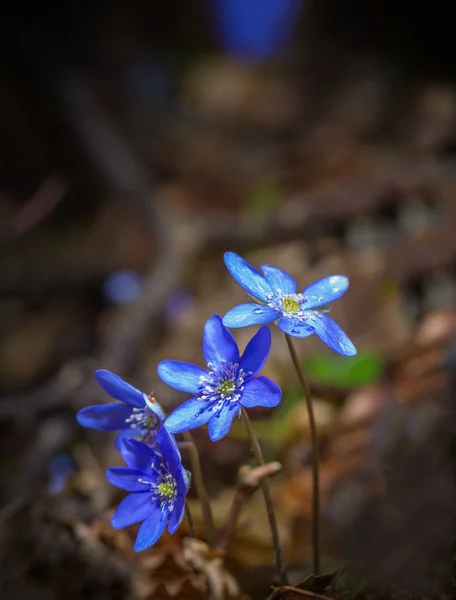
point(297, 314)
point(136, 415)
point(228, 383)
point(255, 29)
point(60, 467)
point(158, 485)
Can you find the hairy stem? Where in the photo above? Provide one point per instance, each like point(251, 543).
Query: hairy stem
point(278, 555)
point(190, 521)
point(315, 457)
point(190, 446)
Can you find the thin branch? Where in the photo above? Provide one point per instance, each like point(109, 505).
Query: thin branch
point(250, 480)
point(289, 589)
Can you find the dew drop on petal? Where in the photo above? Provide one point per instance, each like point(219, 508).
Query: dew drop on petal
point(257, 311)
point(295, 331)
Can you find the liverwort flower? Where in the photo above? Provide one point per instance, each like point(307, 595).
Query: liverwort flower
point(136, 415)
point(158, 485)
point(228, 383)
point(255, 29)
point(60, 468)
point(299, 314)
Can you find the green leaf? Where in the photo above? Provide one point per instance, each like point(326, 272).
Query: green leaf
point(341, 371)
point(266, 198)
point(273, 430)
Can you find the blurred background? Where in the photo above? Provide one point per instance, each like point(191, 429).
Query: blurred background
point(138, 142)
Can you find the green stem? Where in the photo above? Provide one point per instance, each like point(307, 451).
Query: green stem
point(315, 457)
point(190, 446)
point(278, 555)
point(190, 521)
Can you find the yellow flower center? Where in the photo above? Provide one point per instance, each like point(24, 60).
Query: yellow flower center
point(290, 305)
point(226, 387)
point(166, 490)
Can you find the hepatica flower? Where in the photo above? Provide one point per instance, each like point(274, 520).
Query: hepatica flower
point(60, 467)
point(136, 415)
point(228, 383)
point(299, 314)
point(158, 485)
point(254, 29)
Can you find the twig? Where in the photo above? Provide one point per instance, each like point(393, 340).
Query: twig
point(125, 175)
point(59, 390)
point(51, 438)
point(278, 591)
point(177, 243)
point(250, 480)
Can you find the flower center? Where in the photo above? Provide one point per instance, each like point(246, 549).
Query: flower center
point(290, 304)
point(226, 387)
point(144, 423)
point(223, 383)
point(164, 489)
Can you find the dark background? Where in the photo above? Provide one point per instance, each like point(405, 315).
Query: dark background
point(141, 140)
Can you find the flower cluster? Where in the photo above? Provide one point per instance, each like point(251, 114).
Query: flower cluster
point(154, 476)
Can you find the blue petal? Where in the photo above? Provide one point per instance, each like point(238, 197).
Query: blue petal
point(181, 375)
point(186, 479)
point(244, 315)
point(279, 280)
point(152, 528)
point(155, 407)
point(332, 335)
point(133, 509)
point(255, 29)
point(261, 392)
point(129, 455)
point(146, 434)
point(218, 343)
point(188, 415)
point(325, 290)
point(119, 389)
point(140, 434)
point(107, 417)
point(256, 352)
point(295, 327)
point(177, 515)
point(183, 482)
point(137, 455)
point(169, 449)
point(220, 423)
point(247, 277)
point(128, 479)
